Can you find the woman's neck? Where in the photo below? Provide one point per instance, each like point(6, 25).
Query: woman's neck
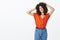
point(42, 13)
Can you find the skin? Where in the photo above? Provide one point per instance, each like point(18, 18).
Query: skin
point(42, 10)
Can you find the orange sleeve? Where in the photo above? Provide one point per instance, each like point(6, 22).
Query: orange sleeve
point(48, 15)
point(34, 14)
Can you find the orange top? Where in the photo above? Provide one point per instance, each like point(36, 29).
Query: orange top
point(41, 22)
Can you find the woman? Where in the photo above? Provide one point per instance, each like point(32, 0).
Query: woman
point(41, 17)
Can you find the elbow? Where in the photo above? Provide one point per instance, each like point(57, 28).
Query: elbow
point(27, 12)
point(53, 9)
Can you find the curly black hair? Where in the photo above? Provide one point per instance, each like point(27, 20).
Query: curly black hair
point(43, 5)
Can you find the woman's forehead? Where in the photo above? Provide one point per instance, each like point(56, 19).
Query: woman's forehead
point(40, 6)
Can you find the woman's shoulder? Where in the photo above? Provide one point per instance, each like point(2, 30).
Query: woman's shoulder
point(35, 13)
point(48, 14)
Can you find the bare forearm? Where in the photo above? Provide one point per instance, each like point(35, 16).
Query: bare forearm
point(50, 7)
point(31, 10)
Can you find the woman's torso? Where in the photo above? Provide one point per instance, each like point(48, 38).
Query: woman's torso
point(41, 22)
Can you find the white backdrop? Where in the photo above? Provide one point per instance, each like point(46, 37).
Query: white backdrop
point(16, 24)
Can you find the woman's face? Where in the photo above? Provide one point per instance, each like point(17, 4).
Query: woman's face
point(41, 9)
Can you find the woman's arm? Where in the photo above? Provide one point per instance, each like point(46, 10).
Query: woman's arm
point(30, 12)
point(51, 9)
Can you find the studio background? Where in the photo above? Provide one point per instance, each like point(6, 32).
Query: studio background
point(16, 24)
